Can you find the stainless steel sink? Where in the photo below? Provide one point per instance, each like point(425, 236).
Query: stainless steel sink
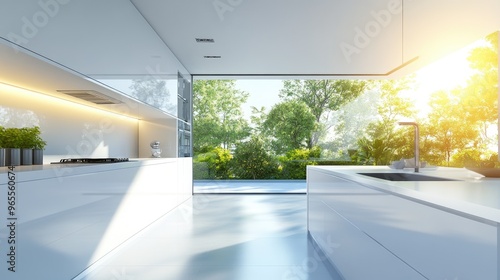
point(405, 177)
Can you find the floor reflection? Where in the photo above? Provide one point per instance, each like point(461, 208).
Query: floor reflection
point(221, 237)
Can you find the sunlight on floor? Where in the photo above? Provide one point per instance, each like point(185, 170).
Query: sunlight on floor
point(234, 237)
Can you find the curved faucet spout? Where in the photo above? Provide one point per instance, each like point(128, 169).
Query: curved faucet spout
point(417, 148)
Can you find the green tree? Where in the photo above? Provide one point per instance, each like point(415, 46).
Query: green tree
point(218, 117)
point(447, 129)
point(290, 124)
point(458, 125)
point(480, 95)
point(252, 161)
point(322, 96)
point(257, 120)
point(384, 141)
point(348, 125)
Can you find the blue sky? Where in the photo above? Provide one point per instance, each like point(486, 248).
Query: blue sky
point(263, 92)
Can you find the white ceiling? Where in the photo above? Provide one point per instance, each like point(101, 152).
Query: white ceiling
point(276, 37)
point(317, 37)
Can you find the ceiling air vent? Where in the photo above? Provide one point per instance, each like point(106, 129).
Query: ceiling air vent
point(91, 96)
point(205, 40)
point(212, 56)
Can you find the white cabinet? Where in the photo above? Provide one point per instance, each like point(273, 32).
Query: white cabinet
point(384, 233)
point(65, 223)
point(354, 253)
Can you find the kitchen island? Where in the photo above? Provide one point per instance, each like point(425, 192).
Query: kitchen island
point(371, 228)
point(59, 219)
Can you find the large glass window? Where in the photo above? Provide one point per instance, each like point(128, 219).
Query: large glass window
point(272, 129)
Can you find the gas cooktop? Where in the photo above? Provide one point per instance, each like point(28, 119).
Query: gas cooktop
point(91, 160)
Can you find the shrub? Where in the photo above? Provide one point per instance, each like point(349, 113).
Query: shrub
point(202, 171)
point(216, 164)
point(251, 161)
point(295, 162)
point(473, 158)
point(333, 162)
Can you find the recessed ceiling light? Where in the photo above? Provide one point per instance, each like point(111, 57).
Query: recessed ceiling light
point(205, 40)
point(211, 56)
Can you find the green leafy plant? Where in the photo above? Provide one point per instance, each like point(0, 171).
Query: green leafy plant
point(252, 161)
point(33, 139)
point(13, 138)
point(295, 162)
point(2, 137)
point(216, 163)
point(23, 138)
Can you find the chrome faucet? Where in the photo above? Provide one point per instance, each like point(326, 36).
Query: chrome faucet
point(417, 148)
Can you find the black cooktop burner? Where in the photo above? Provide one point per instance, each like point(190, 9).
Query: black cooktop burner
point(92, 160)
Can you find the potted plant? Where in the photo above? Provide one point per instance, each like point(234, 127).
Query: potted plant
point(2, 146)
point(32, 146)
point(37, 144)
point(12, 141)
point(25, 144)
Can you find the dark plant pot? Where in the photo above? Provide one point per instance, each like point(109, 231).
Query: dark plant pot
point(13, 157)
point(37, 156)
point(2, 157)
point(27, 156)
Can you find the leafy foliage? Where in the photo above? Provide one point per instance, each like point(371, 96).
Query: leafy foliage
point(25, 137)
point(467, 157)
point(2, 137)
point(459, 119)
point(346, 126)
point(218, 116)
point(480, 96)
point(446, 130)
point(252, 161)
point(289, 123)
point(322, 96)
point(383, 142)
point(217, 163)
point(295, 162)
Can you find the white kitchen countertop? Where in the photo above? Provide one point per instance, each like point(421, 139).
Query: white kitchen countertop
point(45, 171)
point(473, 196)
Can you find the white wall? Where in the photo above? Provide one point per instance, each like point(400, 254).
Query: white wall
point(71, 130)
point(166, 134)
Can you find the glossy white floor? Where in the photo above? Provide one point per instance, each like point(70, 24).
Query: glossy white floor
point(221, 237)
